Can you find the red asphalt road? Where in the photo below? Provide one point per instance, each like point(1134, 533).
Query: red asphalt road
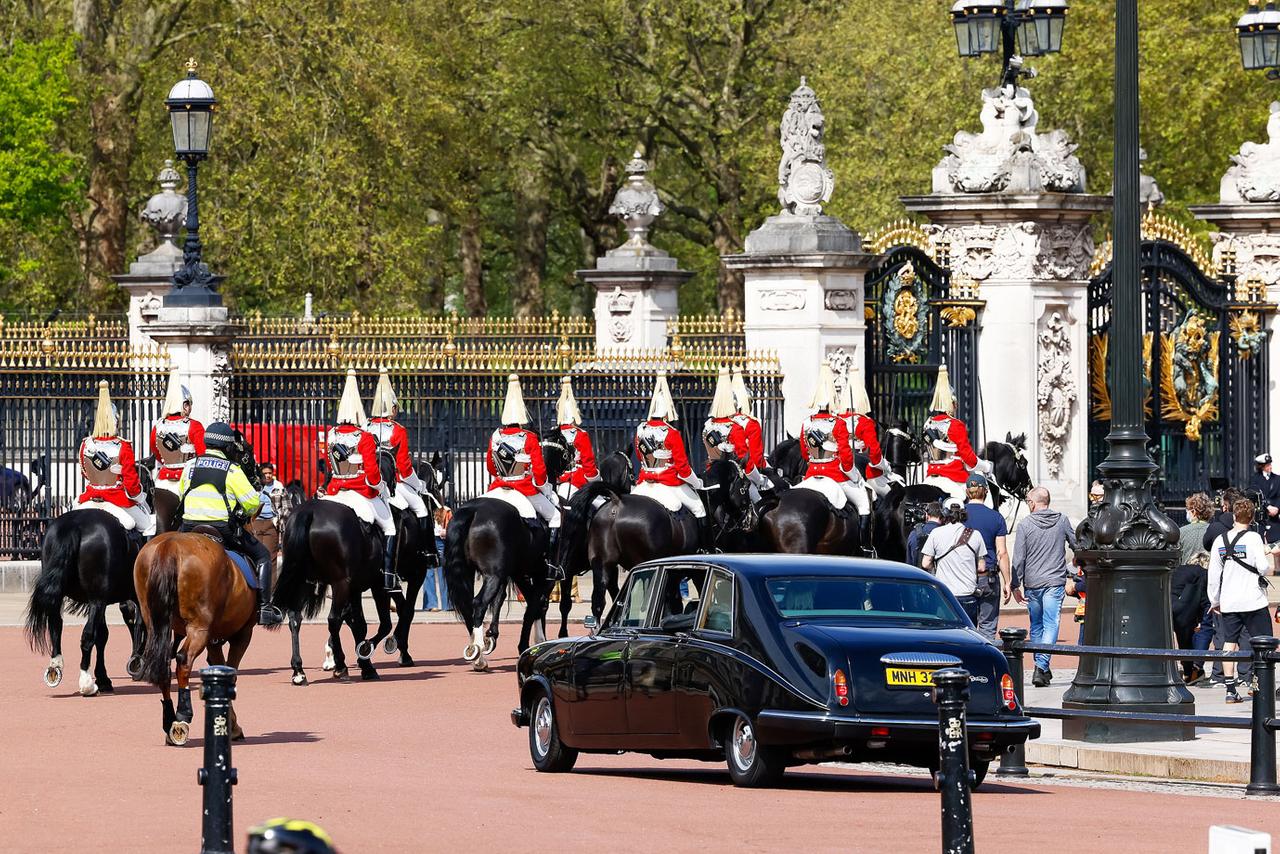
point(427, 760)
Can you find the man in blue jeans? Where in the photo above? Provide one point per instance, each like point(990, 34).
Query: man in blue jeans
point(1040, 573)
point(993, 584)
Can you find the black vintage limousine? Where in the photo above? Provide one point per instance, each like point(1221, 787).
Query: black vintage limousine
point(767, 661)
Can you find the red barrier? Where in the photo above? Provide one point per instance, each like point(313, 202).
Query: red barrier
point(292, 448)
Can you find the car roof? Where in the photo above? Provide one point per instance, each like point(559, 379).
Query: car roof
point(781, 565)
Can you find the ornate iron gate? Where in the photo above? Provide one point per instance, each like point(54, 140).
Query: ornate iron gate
point(919, 319)
point(1205, 372)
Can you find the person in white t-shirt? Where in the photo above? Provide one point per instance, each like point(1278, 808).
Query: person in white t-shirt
point(1237, 589)
point(956, 553)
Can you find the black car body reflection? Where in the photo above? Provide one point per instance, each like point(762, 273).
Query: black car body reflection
point(767, 661)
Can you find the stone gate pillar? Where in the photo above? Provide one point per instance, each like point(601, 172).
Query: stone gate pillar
point(803, 270)
point(637, 284)
point(1248, 218)
point(1012, 204)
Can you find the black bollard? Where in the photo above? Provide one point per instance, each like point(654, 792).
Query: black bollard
point(951, 693)
point(1262, 758)
point(217, 689)
point(1014, 762)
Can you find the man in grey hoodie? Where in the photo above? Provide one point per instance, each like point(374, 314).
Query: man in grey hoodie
point(1040, 573)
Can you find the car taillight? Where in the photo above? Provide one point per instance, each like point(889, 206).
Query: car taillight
point(1006, 693)
point(841, 687)
point(880, 732)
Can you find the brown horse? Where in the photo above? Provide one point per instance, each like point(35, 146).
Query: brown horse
point(187, 587)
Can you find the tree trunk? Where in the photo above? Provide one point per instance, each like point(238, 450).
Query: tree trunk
point(533, 211)
point(724, 236)
point(106, 221)
point(471, 250)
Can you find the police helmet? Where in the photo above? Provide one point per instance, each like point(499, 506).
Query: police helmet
point(289, 836)
point(219, 436)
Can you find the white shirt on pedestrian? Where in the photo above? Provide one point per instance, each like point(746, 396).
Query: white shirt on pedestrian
point(958, 568)
point(1232, 588)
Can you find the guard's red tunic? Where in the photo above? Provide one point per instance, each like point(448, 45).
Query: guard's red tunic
point(963, 459)
point(365, 478)
point(194, 433)
point(119, 453)
point(583, 465)
point(670, 472)
point(535, 471)
point(841, 462)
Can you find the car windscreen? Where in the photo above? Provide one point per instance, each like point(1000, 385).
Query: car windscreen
point(850, 597)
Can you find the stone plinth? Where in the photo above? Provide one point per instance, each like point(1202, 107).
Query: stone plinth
point(637, 292)
point(148, 280)
point(1252, 231)
point(804, 279)
point(1030, 255)
point(198, 340)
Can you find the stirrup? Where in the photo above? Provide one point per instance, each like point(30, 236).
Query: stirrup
point(270, 615)
point(391, 582)
point(555, 572)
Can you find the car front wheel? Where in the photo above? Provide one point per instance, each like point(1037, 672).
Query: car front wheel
point(751, 764)
point(549, 754)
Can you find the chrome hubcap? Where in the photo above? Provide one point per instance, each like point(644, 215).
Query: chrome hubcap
point(542, 727)
point(744, 744)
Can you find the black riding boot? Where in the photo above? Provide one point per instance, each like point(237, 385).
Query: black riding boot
point(555, 572)
point(706, 536)
point(864, 535)
point(389, 577)
point(268, 614)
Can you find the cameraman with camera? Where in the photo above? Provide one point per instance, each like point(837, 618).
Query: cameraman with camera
point(1238, 589)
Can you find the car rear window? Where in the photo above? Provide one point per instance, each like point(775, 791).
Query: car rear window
point(850, 597)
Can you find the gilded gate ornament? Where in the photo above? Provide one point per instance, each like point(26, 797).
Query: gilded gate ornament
point(1099, 390)
point(905, 316)
point(1189, 376)
point(1247, 332)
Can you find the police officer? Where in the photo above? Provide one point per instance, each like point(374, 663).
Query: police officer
point(216, 492)
point(1267, 484)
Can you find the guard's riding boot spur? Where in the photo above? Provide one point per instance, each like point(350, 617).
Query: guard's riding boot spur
point(390, 579)
point(268, 614)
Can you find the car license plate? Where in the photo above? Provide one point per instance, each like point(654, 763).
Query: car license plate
point(908, 677)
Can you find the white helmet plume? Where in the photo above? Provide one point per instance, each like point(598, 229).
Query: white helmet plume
point(943, 399)
point(350, 407)
point(661, 405)
point(722, 404)
point(104, 419)
point(513, 409)
point(176, 395)
point(384, 403)
point(741, 395)
point(824, 394)
point(567, 411)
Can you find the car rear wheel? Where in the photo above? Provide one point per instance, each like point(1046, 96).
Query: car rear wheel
point(545, 748)
point(751, 764)
point(977, 769)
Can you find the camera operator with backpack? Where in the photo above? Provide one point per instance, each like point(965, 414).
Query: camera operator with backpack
point(1238, 588)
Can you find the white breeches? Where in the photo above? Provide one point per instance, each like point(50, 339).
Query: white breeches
point(133, 517)
point(672, 497)
point(370, 510)
point(169, 486)
point(546, 509)
point(857, 495)
point(408, 498)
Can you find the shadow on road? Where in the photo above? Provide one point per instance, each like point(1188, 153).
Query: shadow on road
point(268, 738)
point(800, 781)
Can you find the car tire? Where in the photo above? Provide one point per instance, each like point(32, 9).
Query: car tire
point(548, 752)
point(751, 764)
point(978, 768)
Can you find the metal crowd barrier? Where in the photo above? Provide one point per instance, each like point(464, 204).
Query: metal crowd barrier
point(1262, 724)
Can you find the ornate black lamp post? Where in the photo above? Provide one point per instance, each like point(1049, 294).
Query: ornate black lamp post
point(191, 106)
point(1034, 26)
point(1128, 545)
point(1259, 32)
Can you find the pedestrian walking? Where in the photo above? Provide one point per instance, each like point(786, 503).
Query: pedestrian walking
point(1189, 591)
point(1191, 535)
point(920, 533)
point(1040, 573)
point(1238, 588)
point(435, 590)
point(264, 525)
point(1217, 526)
point(993, 585)
point(955, 553)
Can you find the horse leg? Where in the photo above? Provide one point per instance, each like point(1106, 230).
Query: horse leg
point(381, 606)
point(53, 673)
point(239, 642)
point(192, 646)
point(489, 592)
point(295, 662)
point(359, 629)
point(530, 615)
point(137, 637)
point(414, 584)
point(495, 618)
point(336, 612)
point(100, 642)
point(88, 687)
point(598, 589)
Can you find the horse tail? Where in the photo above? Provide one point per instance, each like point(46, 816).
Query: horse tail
point(459, 573)
point(293, 592)
point(57, 558)
point(162, 601)
point(575, 523)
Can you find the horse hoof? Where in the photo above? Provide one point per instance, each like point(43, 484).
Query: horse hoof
point(178, 732)
point(369, 675)
point(480, 665)
point(470, 652)
point(105, 687)
point(53, 675)
point(134, 667)
point(328, 663)
point(299, 679)
point(87, 686)
point(340, 673)
point(364, 650)
point(490, 644)
point(390, 646)
point(406, 660)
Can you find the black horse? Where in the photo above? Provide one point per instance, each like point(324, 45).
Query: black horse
point(415, 551)
point(87, 560)
point(788, 461)
point(1009, 474)
point(901, 447)
point(803, 522)
point(608, 533)
point(327, 546)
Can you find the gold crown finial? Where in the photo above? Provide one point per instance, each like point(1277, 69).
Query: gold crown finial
point(192, 65)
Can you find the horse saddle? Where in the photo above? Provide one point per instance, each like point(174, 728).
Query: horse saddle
point(241, 562)
point(828, 489)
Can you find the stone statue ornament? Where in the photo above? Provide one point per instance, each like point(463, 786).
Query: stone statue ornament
point(636, 203)
point(1190, 375)
point(805, 182)
point(166, 210)
point(1149, 194)
point(1055, 391)
point(1008, 155)
point(1255, 172)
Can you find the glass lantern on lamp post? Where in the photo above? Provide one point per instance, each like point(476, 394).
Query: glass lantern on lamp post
point(1018, 28)
point(1259, 34)
point(191, 107)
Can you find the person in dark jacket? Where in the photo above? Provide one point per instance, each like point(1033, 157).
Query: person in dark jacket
point(1267, 485)
point(1040, 573)
point(1224, 521)
point(1189, 587)
point(915, 540)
